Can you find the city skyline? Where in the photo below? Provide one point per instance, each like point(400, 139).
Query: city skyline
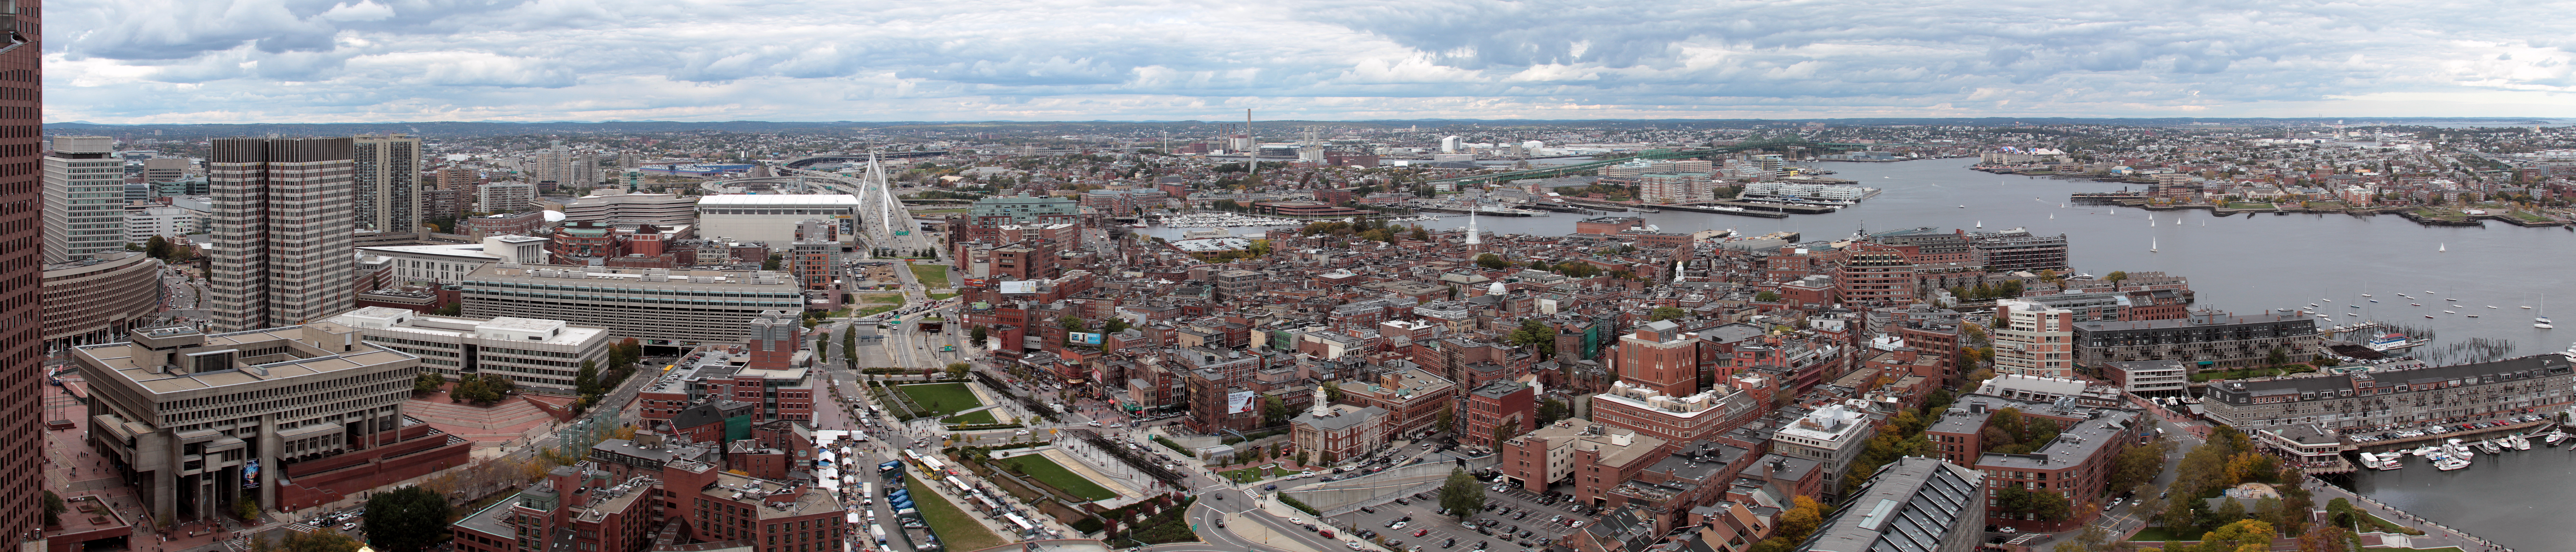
point(409, 60)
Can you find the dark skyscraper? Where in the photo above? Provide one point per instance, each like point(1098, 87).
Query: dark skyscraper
point(22, 265)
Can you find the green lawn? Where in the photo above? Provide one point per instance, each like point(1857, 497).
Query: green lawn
point(895, 298)
point(944, 398)
point(976, 417)
point(933, 276)
point(1248, 475)
point(1054, 475)
point(938, 296)
point(957, 530)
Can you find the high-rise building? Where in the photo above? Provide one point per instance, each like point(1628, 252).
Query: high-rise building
point(282, 231)
point(386, 176)
point(2034, 338)
point(22, 104)
point(84, 198)
point(506, 197)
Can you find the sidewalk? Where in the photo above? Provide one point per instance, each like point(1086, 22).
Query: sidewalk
point(2435, 535)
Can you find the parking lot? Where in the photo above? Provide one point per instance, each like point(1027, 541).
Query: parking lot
point(1513, 512)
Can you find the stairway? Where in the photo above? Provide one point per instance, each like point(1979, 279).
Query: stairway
point(483, 425)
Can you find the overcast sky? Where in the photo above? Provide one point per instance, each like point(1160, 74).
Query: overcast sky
point(213, 61)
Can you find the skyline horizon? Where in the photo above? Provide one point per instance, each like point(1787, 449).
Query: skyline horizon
point(318, 61)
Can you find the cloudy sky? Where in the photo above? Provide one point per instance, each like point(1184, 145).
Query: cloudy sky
point(210, 61)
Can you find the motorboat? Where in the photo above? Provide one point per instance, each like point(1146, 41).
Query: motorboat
point(2448, 464)
point(2489, 446)
point(2471, 316)
point(2520, 442)
point(2554, 438)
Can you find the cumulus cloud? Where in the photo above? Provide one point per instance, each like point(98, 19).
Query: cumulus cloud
point(379, 60)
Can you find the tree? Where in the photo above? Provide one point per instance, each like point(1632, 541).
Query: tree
point(1491, 261)
point(2296, 502)
point(427, 382)
point(1273, 410)
point(977, 336)
point(1794, 525)
point(2324, 538)
point(1332, 393)
point(2139, 464)
point(54, 509)
point(1535, 334)
point(773, 261)
point(2278, 357)
point(1447, 418)
point(409, 519)
point(850, 346)
point(1462, 495)
point(1766, 296)
point(2239, 535)
point(957, 370)
point(2117, 275)
point(319, 541)
point(1551, 410)
point(1113, 325)
point(586, 381)
point(158, 248)
point(1666, 313)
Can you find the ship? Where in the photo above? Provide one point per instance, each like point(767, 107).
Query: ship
point(2390, 342)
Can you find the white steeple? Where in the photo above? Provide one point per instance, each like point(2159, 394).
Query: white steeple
point(1472, 237)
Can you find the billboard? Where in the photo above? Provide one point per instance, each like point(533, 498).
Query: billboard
point(250, 473)
point(1020, 286)
point(1238, 402)
point(1081, 338)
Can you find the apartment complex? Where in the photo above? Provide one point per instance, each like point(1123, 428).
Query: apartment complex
point(2207, 339)
point(84, 198)
point(2396, 397)
point(384, 173)
point(282, 231)
point(2034, 339)
point(203, 420)
point(538, 354)
point(661, 307)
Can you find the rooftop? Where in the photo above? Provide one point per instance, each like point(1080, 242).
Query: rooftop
point(796, 200)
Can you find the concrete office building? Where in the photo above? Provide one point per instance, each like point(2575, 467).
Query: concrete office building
point(84, 198)
point(201, 420)
point(617, 206)
point(539, 354)
point(1832, 435)
point(96, 300)
point(282, 231)
point(386, 174)
point(774, 218)
point(447, 264)
point(661, 307)
point(168, 222)
point(164, 169)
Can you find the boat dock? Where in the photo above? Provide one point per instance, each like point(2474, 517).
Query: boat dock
point(1741, 212)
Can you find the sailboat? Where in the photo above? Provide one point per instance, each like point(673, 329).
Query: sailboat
point(1981, 224)
point(2052, 216)
point(2542, 321)
point(2151, 245)
point(2445, 248)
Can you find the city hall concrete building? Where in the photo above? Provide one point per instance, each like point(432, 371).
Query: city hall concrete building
point(539, 354)
point(201, 420)
point(659, 306)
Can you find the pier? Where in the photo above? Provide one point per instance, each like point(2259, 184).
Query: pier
point(1713, 209)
